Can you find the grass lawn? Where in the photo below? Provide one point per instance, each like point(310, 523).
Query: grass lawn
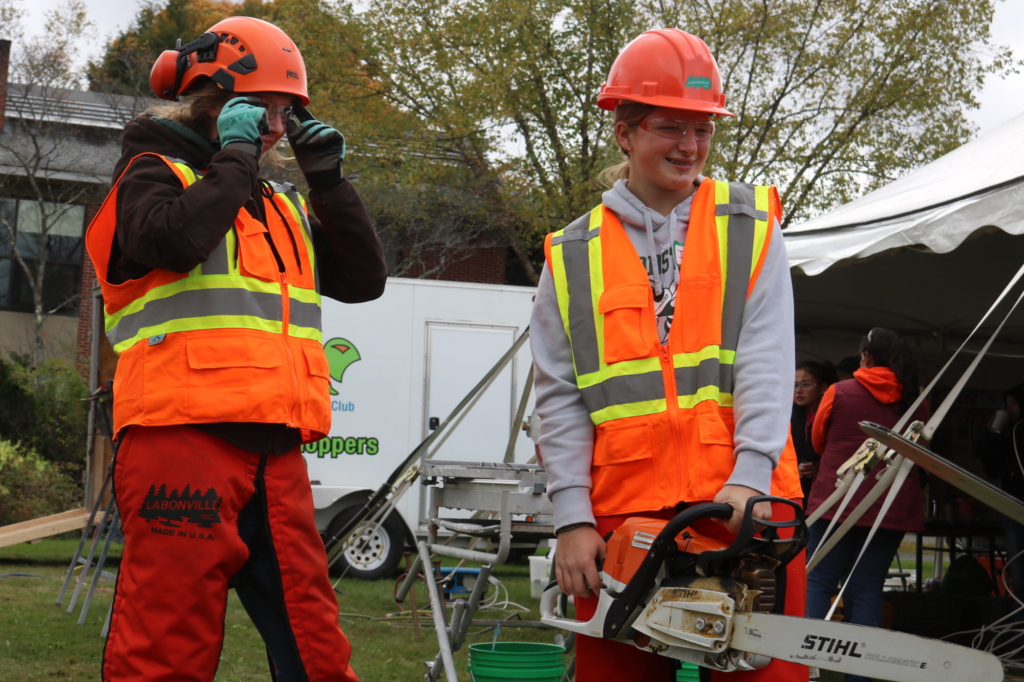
point(39, 641)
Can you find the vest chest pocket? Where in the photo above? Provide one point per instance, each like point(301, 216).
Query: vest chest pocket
point(628, 322)
point(255, 259)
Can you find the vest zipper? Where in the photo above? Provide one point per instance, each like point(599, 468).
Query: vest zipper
point(285, 315)
point(672, 401)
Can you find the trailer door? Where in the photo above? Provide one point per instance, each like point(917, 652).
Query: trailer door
point(457, 357)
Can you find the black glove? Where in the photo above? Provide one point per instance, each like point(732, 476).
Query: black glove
point(317, 146)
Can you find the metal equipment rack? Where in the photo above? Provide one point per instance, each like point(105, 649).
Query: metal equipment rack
point(504, 489)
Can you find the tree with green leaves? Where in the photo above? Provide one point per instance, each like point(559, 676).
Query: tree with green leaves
point(492, 104)
point(834, 98)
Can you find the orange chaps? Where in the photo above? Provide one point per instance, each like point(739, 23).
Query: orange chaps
point(599, 660)
point(201, 515)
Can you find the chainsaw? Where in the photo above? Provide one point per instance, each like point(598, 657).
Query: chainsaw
point(671, 590)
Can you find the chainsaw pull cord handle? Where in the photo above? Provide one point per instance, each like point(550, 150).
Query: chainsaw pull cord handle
point(769, 536)
point(626, 602)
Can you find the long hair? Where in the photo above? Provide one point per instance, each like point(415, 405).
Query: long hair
point(632, 113)
point(888, 349)
point(193, 111)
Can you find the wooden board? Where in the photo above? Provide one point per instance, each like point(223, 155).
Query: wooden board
point(45, 526)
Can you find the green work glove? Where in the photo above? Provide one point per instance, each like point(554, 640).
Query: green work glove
point(241, 123)
point(317, 146)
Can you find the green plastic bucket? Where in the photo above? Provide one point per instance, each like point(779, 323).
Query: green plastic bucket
point(528, 661)
point(688, 672)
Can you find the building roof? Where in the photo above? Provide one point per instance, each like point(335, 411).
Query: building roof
point(74, 107)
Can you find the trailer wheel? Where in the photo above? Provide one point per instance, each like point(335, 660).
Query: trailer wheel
point(372, 553)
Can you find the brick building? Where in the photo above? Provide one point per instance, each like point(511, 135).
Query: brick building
point(78, 134)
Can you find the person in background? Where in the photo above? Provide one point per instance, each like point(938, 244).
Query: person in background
point(812, 380)
point(1002, 456)
point(846, 368)
point(881, 391)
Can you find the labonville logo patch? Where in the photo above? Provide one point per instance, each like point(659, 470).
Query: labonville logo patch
point(192, 506)
point(698, 82)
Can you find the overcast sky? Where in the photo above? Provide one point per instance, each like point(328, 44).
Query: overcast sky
point(1001, 99)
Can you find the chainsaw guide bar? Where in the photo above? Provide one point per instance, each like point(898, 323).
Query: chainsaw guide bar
point(670, 589)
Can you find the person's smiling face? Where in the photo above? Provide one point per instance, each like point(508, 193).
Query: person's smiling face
point(664, 164)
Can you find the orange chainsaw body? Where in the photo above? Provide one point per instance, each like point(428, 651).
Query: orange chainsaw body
point(629, 544)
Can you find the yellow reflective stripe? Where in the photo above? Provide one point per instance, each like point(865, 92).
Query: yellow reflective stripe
point(722, 223)
point(640, 409)
point(561, 282)
point(761, 227)
point(688, 402)
point(619, 369)
point(192, 284)
point(199, 324)
point(597, 282)
point(189, 173)
point(306, 333)
point(304, 295)
point(706, 353)
point(298, 221)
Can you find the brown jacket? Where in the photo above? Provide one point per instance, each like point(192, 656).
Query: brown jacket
point(161, 225)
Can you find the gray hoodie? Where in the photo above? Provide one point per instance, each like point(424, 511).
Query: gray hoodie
point(763, 393)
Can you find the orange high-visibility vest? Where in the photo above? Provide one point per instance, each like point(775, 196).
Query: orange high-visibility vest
point(663, 414)
point(234, 340)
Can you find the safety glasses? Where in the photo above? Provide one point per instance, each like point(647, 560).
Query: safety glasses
point(285, 112)
point(676, 129)
point(804, 384)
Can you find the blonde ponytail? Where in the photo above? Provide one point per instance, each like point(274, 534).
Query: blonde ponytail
point(631, 113)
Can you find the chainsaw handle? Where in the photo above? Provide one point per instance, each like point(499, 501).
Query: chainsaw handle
point(593, 627)
point(748, 528)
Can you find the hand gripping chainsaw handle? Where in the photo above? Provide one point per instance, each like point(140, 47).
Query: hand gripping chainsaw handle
point(615, 610)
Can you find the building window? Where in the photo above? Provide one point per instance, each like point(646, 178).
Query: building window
point(63, 254)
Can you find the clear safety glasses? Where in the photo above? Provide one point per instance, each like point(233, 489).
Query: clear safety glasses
point(285, 112)
point(676, 129)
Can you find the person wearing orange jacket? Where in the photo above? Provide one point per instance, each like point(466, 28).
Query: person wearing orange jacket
point(662, 338)
point(212, 279)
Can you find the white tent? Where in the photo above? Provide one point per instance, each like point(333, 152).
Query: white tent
point(925, 255)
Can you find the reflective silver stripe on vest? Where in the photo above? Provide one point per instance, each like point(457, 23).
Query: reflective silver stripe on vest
point(741, 250)
point(217, 263)
point(709, 372)
point(293, 196)
point(576, 235)
point(583, 332)
point(740, 209)
point(303, 314)
point(623, 390)
point(197, 303)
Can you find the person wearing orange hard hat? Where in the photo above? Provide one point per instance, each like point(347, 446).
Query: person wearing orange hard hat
point(212, 278)
point(662, 339)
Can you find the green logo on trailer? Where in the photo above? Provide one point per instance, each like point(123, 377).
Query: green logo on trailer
point(340, 354)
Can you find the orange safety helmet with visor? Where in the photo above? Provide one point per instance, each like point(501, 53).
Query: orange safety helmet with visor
point(668, 68)
point(240, 54)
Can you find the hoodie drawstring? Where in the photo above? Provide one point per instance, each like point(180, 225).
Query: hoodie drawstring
point(658, 291)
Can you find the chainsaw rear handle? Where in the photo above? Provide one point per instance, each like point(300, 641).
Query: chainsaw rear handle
point(745, 541)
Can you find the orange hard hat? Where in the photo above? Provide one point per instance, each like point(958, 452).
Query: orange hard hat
point(240, 54)
point(665, 67)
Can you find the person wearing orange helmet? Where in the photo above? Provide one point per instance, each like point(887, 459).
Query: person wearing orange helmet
point(212, 280)
point(662, 339)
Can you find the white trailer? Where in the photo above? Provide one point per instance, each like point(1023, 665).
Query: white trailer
point(399, 366)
